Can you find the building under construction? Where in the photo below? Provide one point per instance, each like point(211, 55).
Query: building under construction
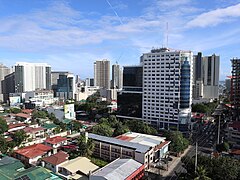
point(235, 88)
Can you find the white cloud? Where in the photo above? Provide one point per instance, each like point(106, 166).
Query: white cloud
point(215, 17)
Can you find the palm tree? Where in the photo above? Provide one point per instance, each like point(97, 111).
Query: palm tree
point(201, 174)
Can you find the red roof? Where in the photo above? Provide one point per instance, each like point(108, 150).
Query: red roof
point(57, 158)
point(160, 146)
point(124, 138)
point(33, 150)
point(235, 125)
point(27, 111)
point(32, 130)
point(55, 140)
point(23, 115)
point(11, 126)
point(198, 116)
point(235, 152)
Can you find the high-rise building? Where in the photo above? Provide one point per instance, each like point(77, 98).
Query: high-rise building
point(211, 65)
point(205, 76)
point(63, 85)
point(8, 86)
point(167, 88)
point(4, 71)
point(129, 100)
point(102, 74)
point(32, 76)
point(235, 87)
point(117, 76)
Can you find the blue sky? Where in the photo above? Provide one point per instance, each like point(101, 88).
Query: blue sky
point(72, 34)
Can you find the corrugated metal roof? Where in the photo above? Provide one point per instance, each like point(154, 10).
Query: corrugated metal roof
point(118, 169)
point(137, 147)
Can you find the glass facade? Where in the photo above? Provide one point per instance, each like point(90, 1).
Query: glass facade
point(185, 85)
point(133, 78)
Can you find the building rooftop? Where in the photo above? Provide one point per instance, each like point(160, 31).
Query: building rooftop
point(144, 139)
point(33, 130)
point(82, 164)
point(12, 126)
point(27, 111)
point(33, 150)
point(49, 126)
point(235, 125)
point(23, 115)
point(57, 158)
point(137, 147)
point(36, 173)
point(9, 167)
point(118, 169)
point(55, 140)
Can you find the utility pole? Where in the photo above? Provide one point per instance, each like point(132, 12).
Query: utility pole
point(196, 157)
point(218, 137)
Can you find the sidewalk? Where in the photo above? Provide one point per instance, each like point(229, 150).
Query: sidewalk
point(174, 163)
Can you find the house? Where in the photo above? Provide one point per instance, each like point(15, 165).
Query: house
point(16, 127)
point(56, 141)
point(235, 153)
point(36, 173)
point(120, 169)
point(34, 132)
point(232, 133)
point(23, 117)
point(31, 154)
point(54, 161)
point(78, 168)
point(9, 167)
point(144, 148)
point(49, 128)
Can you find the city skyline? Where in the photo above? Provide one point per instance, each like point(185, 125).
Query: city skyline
point(71, 35)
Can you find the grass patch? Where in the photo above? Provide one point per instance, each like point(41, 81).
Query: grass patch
point(98, 162)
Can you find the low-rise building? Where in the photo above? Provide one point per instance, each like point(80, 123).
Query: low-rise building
point(120, 169)
point(56, 141)
point(233, 133)
point(34, 132)
point(78, 168)
point(31, 154)
point(54, 161)
point(16, 127)
point(144, 148)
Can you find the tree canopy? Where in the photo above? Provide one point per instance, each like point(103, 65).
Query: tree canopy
point(178, 142)
point(3, 126)
point(215, 168)
point(103, 129)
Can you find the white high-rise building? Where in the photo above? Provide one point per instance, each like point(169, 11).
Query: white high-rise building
point(167, 88)
point(32, 76)
point(117, 76)
point(102, 74)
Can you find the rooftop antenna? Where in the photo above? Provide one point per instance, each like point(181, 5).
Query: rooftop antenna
point(167, 36)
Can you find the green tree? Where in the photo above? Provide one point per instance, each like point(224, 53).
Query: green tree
point(85, 146)
point(200, 108)
point(201, 174)
point(15, 110)
point(39, 114)
point(178, 142)
point(3, 126)
point(19, 137)
point(76, 126)
point(3, 144)
point(102, 129)
point(216, 168)
point(222, 147)
point(140, 127)
point(120, 129)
